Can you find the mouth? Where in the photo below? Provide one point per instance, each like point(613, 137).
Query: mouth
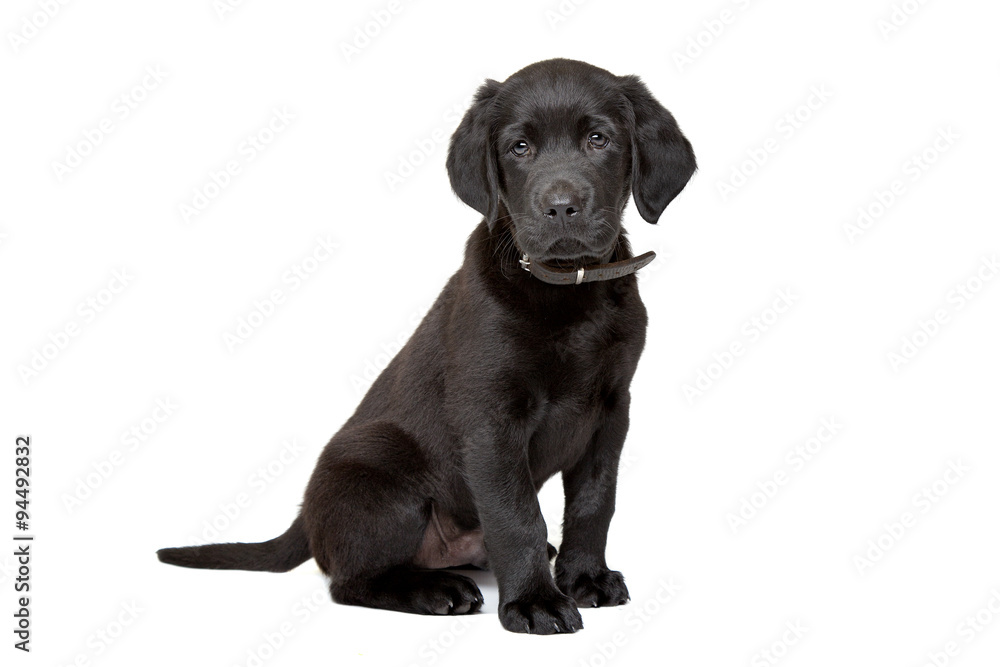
point(571, 253)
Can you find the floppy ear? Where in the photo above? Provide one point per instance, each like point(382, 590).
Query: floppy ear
point(472, 163)
point(662, 158)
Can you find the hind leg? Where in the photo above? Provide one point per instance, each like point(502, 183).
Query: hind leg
point(366, 510)
point(413, 591)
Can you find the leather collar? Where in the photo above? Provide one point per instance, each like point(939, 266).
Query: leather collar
point(587, 274)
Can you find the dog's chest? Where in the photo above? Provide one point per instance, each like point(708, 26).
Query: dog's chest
point(582, 367)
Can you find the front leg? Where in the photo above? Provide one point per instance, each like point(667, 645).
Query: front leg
point(515, 534)
point(581, 570)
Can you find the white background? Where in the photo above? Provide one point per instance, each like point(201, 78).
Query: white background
point(722, 261)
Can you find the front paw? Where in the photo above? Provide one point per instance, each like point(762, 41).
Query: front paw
point(541, 614)
point(602, 588)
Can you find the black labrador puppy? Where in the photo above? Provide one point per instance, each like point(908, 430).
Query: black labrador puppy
point(513, 376)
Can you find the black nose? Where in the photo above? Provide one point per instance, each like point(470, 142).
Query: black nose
point(561, 206)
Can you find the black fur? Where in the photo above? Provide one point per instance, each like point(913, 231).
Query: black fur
point(508, 380)
point(281, 554)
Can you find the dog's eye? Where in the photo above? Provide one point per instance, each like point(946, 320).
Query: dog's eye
point(598, 140)
point(520, 149)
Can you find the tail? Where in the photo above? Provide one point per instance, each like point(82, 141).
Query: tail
point(278, 555)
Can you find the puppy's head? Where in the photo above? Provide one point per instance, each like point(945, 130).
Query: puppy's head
point(554, 151)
